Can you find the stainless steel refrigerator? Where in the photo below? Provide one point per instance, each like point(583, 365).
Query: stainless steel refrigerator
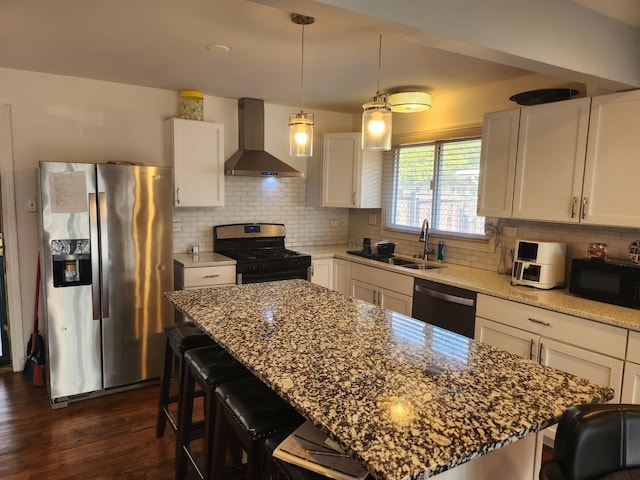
point(107, 256)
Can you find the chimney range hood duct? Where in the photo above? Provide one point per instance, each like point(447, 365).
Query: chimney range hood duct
point(251, 160)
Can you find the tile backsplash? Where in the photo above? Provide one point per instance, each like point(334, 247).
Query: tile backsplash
point(282, 200)
point(577, 238)
point(257, 199)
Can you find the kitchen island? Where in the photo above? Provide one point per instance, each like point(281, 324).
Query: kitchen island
point(406, 399)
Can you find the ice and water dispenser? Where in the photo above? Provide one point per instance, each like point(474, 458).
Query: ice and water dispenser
point(71, 262)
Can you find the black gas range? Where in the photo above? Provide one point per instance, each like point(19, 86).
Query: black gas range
point(259, 252)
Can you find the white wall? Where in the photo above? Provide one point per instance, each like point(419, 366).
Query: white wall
point(59, 118)
point(464, 108)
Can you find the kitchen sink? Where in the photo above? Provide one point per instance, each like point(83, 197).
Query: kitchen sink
point(399, 261)
point(410, 263)
point(421, 266)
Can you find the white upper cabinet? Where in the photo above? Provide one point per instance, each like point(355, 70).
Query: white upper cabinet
point(498, 163)
point(550, 161)
point(612, 167)
point(351, 177)
point(574, 162)
point(197, 151)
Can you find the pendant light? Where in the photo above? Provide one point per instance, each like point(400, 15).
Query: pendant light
point(301, 124)
point(376, 118)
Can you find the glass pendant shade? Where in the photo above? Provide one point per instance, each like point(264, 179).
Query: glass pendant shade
point(301, 134)
point(301, 124)
point(376, 117)
point(376, 124)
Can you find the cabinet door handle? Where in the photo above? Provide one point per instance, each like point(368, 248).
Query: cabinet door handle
point(375, 297)
point(540, 322)
point(574, 204)
point(178, 196)
point(540, 353)
point(353, 198)
point(211, 276)
point(532, 343)
point(584, 207)
point(469, 302)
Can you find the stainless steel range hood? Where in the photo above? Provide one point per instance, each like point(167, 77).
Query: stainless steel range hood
point(251, 160)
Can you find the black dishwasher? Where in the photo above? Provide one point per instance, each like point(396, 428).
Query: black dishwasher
point(445, 306)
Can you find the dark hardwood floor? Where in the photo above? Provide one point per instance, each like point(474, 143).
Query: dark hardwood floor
point(101, 438)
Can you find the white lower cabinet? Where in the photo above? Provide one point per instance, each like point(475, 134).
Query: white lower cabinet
point(389, 290)
point(585, 348)
point(341, 276)
point(202, 277)
point(583, 363)
point(582, 347)
point(631, 383)
point(513, 340)
point(193, 278)
point(631, 380)
point(322, 272)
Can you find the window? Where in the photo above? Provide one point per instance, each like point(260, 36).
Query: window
point(437, 181)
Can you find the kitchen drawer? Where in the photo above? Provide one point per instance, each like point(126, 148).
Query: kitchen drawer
point(209, 276)
point(382, 278)
point(595, 336)
point(633, 352)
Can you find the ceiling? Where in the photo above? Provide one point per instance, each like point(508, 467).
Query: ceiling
point(240, 48)
point(625, 11)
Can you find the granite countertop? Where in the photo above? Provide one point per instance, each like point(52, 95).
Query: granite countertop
point(405, 398)
point(491, 283)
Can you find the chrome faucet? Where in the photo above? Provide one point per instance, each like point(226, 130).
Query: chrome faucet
point(424, 237)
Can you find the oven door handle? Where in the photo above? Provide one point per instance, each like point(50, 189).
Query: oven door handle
point(469, 302)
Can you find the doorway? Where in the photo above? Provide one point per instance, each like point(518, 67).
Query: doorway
point(5, 352)
point(14, 348)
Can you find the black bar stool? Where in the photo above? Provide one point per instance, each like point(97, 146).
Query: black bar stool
point(180, 338)
point(208, 367)
point(249, 412)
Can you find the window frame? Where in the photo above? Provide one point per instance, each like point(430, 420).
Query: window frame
point(389, 200)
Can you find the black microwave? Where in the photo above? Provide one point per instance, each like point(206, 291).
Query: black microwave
point(615, 281)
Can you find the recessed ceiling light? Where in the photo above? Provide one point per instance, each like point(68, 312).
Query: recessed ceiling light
point(216, 47)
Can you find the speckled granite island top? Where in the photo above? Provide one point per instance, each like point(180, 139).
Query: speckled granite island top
point(407, 399)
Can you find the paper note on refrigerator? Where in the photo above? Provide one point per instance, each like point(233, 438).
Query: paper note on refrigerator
point(68, 192)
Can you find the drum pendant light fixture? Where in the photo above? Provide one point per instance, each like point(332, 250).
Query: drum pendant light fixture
point(376, 118)
point(409, 100)
point(301, 124)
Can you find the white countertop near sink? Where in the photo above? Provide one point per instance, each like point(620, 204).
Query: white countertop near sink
point(491, 283)
point(202, 259)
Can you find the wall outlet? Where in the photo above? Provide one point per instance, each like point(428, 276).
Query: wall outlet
point(334, 223)
point(373, 219)
point(32, 206)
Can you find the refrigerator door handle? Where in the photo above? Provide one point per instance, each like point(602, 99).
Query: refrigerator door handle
point(104, 252)
point(95, 262)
